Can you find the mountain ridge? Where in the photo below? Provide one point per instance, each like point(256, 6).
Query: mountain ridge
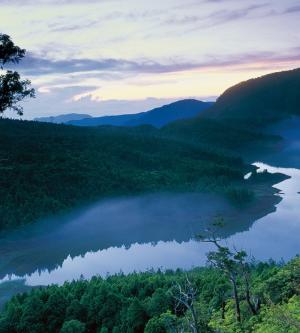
point(63, 118)
point(243, 112)
point(157, 117)
point(58, 167)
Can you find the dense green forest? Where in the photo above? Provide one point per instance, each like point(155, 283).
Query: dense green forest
point(47, 168)
point(196, 301)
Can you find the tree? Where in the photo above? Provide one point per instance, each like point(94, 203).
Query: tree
point(280, 318)
point(103, 330)
point(12, 88)
point(234, 266)
point(33, 315)
point(245, 272)
point(185, 296)
point(136, 316)
point(55, 308)
point(73, 326)
point(172, 323)
point(224, 260)
point(158, 303)
point(155, 325)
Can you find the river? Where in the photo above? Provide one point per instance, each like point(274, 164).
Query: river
point(148, 232)
point(145, 233)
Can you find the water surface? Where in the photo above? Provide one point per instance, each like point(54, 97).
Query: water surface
point(153, 231)
point(147, 232)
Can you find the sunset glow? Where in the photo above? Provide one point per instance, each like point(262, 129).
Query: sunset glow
point(82, 54)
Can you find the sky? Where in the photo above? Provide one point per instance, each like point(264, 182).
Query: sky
point(105, 57)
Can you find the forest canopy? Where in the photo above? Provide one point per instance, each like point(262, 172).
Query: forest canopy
point(146, 302)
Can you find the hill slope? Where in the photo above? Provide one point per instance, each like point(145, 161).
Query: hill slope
point(263, 100)
point(64, 118)
point(47, 168)
point(157, 117)
point(241, 114)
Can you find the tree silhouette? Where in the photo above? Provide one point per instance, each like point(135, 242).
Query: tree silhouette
point(12, 88)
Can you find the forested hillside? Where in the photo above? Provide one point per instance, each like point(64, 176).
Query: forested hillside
point(48, 168)
point(258, 102)
point(148, 302)
point(241, 114)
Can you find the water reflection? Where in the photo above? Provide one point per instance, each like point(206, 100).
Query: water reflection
point(274, 236)
point(138, 257)
point(119, 223)
point(155, 231)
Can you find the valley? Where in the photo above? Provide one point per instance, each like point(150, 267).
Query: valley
point(149, 166)
point(103, 200)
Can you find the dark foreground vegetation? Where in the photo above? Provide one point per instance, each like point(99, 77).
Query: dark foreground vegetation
point(197, 301)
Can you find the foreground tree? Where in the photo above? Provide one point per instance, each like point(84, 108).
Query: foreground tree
point(73, 326)
point(12, 88)
point(234, 265)
point(223, 259)
point(185, 297)
point(280, 318)
point(244, 270)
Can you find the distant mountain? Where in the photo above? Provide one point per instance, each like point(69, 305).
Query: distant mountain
point(60, 167)
point(261, 101)
point(64, 118)
point(242, 113)
point(158, 117)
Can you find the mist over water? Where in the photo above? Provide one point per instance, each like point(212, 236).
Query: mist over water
point(155, 231)
point(151, 231)
point(116, 224)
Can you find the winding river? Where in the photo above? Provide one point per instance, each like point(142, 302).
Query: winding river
point(148, 232)
point(144, 233)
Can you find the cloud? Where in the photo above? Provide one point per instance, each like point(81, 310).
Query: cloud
point(217, 17)
point(37, 66)
point(293, 9)
point(49, 2)
point(87, 22)
point(225, 15)
point(33, 65)
point(61, 101)
point(72, 27)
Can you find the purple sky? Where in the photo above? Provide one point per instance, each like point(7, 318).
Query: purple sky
point(125, 56)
